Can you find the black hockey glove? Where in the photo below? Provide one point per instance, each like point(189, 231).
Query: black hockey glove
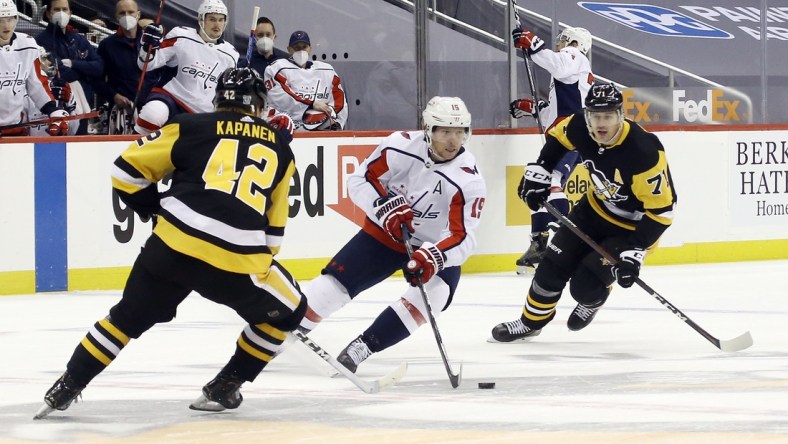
point(627, 269)
point(534, 187)
point(151, 38)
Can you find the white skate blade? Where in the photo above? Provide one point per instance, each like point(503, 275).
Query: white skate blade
point(43, 411)
point(206, 405)
point(523, 270)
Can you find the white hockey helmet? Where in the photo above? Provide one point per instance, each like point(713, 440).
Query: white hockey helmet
point(8, 8)
point(446, 111)
point(579, 35)
point(211, 7)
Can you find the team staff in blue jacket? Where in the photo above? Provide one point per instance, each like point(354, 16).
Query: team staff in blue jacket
point(77, 58)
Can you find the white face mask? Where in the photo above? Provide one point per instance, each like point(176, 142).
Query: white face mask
point(61, 18)
point(128, 22)
point(265, 44)
point(301, 57)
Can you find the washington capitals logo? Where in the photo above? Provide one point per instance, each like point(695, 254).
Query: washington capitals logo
point(604, 189)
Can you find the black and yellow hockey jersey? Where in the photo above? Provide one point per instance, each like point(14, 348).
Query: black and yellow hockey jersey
point(228, 200)
point(631, 185)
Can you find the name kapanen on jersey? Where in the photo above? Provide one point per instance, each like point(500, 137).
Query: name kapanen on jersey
point(230, 128)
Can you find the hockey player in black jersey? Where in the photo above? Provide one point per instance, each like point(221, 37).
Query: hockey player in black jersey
point(626, 210)
point(218, 228)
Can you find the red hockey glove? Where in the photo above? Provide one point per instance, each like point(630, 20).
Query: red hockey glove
point(283, 124)
point(627, 269)
point(534, 187)
point(58, 127)
point(392, 212)
point(525, 107)
point(425, 262)
point(526, 40)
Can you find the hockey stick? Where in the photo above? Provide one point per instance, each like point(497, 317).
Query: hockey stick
point(48, 120)
point(530, 75)
point(252, 37)
point(147, 58)
point(738, 343)
point(454, 378)
point(365, 385)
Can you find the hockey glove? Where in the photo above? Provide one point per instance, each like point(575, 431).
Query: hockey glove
point(525, 107)
point(425, 262)
point(283, 124)
point(526, 40)
point(151, 38)
point(392, 212)
point(627, 269)
point(58, 127)
point(534, 187)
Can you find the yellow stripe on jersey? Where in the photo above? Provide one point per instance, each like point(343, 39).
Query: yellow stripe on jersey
point(652, 186)
point(210, 253)
point(275, 283)
point(98, 354)
point(279, 211)
point(152, 155)
point(114, 331)
point(559, 132)
point(592, 200)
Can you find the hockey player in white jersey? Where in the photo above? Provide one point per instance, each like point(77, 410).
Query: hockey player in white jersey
point(310, 92)
point(22, 78)
point(571, 78)
point(428, 181)
point(200, 56)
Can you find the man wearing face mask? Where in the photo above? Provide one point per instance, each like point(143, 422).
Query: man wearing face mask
point(119, 51)
point(199, 55)
point(78, 63)
point(310, 92)
point(264, 52)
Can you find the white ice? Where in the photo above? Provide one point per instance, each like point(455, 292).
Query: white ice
point(636, 374)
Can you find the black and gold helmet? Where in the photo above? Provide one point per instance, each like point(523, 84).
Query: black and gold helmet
point(240, 88)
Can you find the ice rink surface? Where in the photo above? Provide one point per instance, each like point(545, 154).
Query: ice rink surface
point(636, 374)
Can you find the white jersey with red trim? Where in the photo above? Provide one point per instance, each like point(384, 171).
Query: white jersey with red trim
point(446, 197)
point(199, 66)
point(292, 89)
point(21, 76)
point(571, 79)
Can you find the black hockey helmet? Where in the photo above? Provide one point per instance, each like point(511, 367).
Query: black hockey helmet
point(240, 88)
point(604, 97)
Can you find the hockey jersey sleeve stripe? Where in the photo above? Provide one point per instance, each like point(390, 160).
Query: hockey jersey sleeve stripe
point(456, 224)
point(376, 169)
point(338, 93)
point(282, 80)
point(123, 181)
point(151, 155)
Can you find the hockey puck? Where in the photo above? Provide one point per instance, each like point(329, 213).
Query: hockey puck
point(486, 385)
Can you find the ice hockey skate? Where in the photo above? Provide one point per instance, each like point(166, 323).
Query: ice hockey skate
point(527, 263)
point(354, 354)
point(60, 396)
point(581, 316)
point(223, 392)
point(514, 331)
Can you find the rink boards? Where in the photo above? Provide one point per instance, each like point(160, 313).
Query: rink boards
point(62, 228)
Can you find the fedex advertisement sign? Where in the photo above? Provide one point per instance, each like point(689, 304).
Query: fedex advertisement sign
point(655, 20)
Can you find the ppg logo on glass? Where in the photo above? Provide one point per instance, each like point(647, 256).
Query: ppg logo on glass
point(655, 20)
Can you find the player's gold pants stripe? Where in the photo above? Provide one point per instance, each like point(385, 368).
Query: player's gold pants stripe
point(277, 284)
point(253, 351)
point(104, 359)
point(119, 335)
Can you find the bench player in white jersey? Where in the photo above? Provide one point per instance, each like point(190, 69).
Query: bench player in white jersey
point(22, 78)
point(571, 78)
point(429, 181)
point(310, 92)
point(200, 56)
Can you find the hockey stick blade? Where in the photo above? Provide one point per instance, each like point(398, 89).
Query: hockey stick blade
point(365, 385)
point(738, 343)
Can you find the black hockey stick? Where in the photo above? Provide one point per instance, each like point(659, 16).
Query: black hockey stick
point(454, 378)
point(738, 343)
point(363, 384)
point(529, 74)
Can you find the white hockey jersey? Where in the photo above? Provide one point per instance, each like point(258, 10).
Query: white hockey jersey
point(447, 198)
point(199, 66)
point(21, 76)
point(292, 89)
point(570, 82)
